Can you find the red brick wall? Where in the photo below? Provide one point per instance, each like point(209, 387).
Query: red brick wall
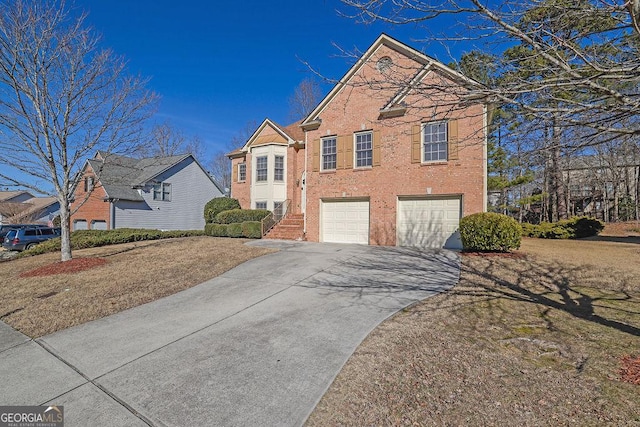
point(295, 168)
point(94, 208)
point(357, 107)
point(241, 190)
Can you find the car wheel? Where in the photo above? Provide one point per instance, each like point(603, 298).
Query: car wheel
point(29, 246)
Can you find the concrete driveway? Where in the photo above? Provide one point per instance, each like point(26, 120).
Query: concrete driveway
point(258, 345)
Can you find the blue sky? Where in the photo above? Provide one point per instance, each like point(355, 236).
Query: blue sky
point(218, 65)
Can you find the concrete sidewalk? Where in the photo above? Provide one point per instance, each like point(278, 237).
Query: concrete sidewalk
point(258, 345)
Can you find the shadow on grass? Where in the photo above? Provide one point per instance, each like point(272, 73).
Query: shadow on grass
point(615, 239)
point(553, 286)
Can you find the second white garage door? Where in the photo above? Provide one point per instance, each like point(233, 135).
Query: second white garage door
point(345, 221)
point(429, 223)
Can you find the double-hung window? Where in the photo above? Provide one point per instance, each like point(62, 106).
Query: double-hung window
point(329, 153)
point(242, 172)
point(162, 191)
point(434, 142)
point(278, 168)
point(364, 149)
point(261, 169)
point(261, 205)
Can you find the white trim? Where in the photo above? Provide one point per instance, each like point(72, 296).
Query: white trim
point(264, 124)
point(422, 143)
point(322, 141)
point(245, 172)
point(355, 154)
point(385, 40)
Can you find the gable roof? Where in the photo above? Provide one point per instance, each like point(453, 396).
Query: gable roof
point(428, 64)
point(8, 195)
point(283, 135)
point(121, 176)
point(34, 206)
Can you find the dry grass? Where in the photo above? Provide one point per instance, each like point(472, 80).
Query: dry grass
point(135, 273)
point(536, 341)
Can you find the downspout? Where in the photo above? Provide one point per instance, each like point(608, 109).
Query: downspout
point(112, 214)
point(485, 125)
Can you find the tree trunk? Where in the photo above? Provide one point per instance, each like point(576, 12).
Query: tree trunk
point(65, 236)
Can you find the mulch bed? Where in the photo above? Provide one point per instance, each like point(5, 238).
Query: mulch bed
point(65, 267)
point(630, 371)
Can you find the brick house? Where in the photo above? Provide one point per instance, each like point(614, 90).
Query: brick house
point(395, 154)
point(167, 193)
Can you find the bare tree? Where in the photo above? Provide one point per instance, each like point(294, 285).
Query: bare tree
point(62, 97)
point(304, 99)
point(583, 56)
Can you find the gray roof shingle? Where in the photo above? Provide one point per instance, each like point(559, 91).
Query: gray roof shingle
point(120, 176)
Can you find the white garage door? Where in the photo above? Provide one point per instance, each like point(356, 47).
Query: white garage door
point(98, 225)
point(80, 224)
point(345, 222)
point(429, 223)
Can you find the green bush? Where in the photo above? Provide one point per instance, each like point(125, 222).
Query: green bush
point(217, 205)
point(241, 215)
point(252, 229)
point(216, 230)
point(234, 229)
point(82, 239)
point(490, 232)
point(585, 227)
point(574, 228)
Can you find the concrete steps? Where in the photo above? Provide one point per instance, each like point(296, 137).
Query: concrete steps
point(290, 228)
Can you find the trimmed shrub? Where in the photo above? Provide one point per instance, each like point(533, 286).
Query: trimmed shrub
point(217, 205)
point(241, 215)
point(82, 239)
point(490, 232)
point(574, 228)
point(252, 229)
point(216, 230)
point(585, 227)
point(234, 229)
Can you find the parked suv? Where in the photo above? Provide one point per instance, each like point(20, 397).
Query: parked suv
point(25, 238)
point(4, 229)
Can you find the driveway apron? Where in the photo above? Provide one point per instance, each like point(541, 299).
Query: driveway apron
point(258, 345)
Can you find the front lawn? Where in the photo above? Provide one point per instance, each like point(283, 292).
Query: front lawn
point(131, 274)
point(537, 340)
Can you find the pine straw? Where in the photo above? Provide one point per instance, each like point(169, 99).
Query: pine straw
point(135, 273)
point(537, 341)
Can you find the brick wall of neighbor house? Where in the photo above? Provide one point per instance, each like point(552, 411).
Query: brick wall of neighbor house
point(95, 208)
point(241, 190)
point(357, 108)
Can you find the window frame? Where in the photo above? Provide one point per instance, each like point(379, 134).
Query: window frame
point(324, 156)
point(260, 203)
point(89, 183)
point(161, 191)
point(260, 170)
point(356, 151)
point(278, 172)
point(436, 132)
point(242, 172)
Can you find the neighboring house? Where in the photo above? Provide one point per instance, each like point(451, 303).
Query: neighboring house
point(377, 162)
point(166, 193)
point(21, 207)
point(605, 187)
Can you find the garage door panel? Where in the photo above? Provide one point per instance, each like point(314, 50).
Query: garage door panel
point(429, 223)
point(345, 222)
